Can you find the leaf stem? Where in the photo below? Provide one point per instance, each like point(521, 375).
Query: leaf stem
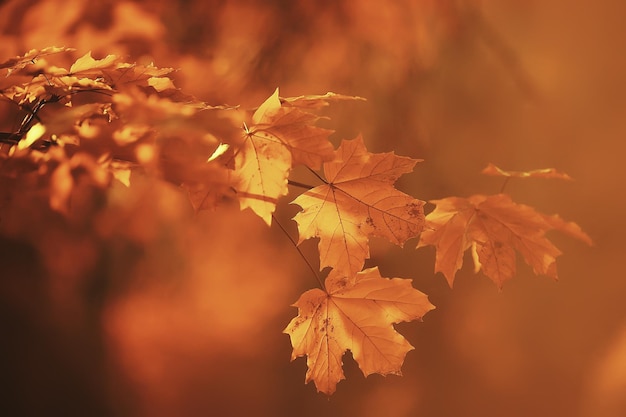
point(318, 176)
point(299, 184)
point(506, 181)
point(317, 277)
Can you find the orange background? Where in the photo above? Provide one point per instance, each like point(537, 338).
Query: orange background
point(190, 322)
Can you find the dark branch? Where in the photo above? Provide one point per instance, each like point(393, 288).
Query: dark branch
point(299, 184)
point(295, 245)
point(318, 176)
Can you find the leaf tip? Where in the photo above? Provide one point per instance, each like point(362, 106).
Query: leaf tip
point(492, 169)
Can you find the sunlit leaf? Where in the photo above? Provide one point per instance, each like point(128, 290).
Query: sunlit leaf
point(31, 57)
point(87, 63)
point(280, 138)
point(356, 314)
point(358, 201)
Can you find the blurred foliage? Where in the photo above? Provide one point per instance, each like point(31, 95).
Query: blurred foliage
point(141, 326)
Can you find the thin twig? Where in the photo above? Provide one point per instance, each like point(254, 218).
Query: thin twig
point(315, 273)
point(299, 184)
point(318, 176)
point(504, 52)
point(506, 181)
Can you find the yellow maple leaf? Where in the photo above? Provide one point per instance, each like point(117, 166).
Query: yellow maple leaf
point(358, 201)
point(354, 314)
point(279, 138)
point(86, 64)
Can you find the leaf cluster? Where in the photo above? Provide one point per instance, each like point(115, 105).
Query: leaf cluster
point(105, 123)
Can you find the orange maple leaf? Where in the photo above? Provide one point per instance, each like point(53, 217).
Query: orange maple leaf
point(358, 201)
point(317, 101)
point(494, 227)
point(280, 138)
point(30, 57)
point(491, 169)
point(354, 314)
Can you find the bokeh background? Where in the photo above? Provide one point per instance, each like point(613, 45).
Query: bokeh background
point(186, 319)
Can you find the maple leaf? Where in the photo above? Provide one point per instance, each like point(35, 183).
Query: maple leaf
point(494, 227)
point(30, 57)
point(491, 169)
point(358, 201)
point(87, 64)
point(354, 314)
point(293, 129)
point(317, 101)
point(34, 133)
point(280, 138)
